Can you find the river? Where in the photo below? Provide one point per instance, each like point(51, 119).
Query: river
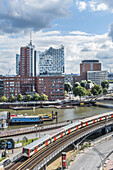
point(64, 114)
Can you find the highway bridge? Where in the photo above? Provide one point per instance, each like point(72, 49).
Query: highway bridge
point(43, 156)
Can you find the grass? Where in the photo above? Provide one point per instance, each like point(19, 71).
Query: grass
point(26, 142)
point(3, 158)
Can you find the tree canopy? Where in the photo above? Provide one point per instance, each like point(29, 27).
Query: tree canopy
point(28, 97)
point(79, 91)
point(83, 83)
point(43, 97)
point(19, 97)
point(105, 84)
point(76, 84)
point(96, 89)
point(12, 98)
point(36, 97)
point(68, 87)
point(105, 91)
point(3, 99)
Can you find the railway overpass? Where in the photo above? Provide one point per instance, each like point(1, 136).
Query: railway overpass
point(41, 158)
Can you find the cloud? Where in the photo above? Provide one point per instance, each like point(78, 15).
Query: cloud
point(23, 15)
point(97, 5)
point(81, 5)
point(77, 48)
point(79, 33)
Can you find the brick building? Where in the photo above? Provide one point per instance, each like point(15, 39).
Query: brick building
point(89, 65)
point(28, 61)
point(52, 86)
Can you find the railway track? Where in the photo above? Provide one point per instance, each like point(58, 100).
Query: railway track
point(31, 162)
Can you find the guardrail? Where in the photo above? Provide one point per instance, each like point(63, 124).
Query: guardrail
point(48, 158)
point(32, 129)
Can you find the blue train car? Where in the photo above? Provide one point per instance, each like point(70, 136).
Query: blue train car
point(25, 120)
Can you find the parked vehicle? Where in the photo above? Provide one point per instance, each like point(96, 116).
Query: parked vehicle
point(9, 145)
point(3, 146)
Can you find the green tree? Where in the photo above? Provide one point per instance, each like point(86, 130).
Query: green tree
point(89, 81)
point(3, 99)
point(65, 92)
point(19, 97)
point(43, 97)
point(80, 91)
point(28, 97)
point(105, 84)
point(76, 84)
point(96, 89)
point(36, 97)
point(12, 98)
point(105, 91)
point(83, 83)
point(68, 86)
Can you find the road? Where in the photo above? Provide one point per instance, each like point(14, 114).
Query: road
point(30, 135)
point(91, 159)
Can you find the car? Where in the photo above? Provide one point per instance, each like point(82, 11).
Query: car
point(6, 162)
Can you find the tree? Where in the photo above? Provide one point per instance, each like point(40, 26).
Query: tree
point(3, 99)
point(83, 83)
point(43, 97)
point(12, 98)
point(68, 87)
point(105, 84)
point(105, 91)
point(96, 89)
point(76, 84)
point(89, 81)
point(19, 97)
point(65, 92)
point(80, 91)
point(28, 97)
point(36, 97)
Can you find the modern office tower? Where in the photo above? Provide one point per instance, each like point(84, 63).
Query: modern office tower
point(1, 88)
point(17, 64)
point(27, 61)
point(89, 65)
point(97, 76)
point(51, 61)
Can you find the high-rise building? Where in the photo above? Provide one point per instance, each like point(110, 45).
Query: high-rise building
point(51, 61)
point(89, 65)
point(17, 64)
point(28, 61)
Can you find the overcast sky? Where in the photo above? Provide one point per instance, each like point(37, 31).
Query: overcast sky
point(84, 27)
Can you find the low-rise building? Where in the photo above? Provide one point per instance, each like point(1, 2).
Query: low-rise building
point(52, 86)
point(69, 78)
point(97, 76)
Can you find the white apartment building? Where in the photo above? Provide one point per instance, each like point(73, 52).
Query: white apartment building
point(97, 76)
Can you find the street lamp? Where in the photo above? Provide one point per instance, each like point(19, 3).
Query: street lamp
point(36, 130)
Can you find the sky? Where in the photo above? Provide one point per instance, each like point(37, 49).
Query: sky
point(84, 27)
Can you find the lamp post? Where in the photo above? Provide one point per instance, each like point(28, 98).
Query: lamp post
point(36, 130)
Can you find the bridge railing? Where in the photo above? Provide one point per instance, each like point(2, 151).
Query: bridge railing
point(53, 154)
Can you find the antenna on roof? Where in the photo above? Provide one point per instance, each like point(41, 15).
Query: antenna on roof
point(30, 38)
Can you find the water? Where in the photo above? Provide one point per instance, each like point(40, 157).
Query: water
point(64, 114)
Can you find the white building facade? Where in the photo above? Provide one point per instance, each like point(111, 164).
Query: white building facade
point(97, 76)
point(51, 61)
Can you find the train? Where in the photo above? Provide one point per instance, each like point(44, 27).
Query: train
point(44, 141)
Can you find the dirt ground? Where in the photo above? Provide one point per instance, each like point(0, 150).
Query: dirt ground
point(58, 162)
